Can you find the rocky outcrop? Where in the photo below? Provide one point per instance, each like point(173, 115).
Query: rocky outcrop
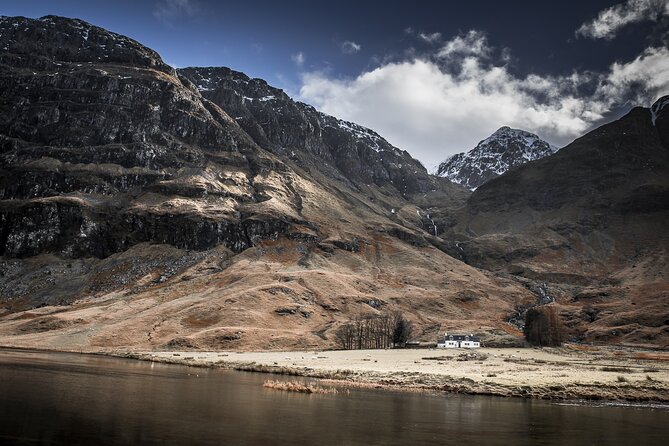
point(308, 137)
point(99, 138)
point(660, 117)
point(503, 150)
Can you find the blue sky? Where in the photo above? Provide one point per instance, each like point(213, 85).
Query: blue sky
point(434, 77)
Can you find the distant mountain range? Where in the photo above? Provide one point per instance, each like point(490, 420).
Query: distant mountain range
point(143, 206)
point(503, 150)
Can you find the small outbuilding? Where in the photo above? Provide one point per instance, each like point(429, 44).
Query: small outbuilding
point(459, 341)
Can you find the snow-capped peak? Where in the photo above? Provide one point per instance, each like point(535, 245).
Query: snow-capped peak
point(503, 150)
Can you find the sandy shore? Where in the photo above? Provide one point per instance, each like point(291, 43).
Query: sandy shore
point(569, 373)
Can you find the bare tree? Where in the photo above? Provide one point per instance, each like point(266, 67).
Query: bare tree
point(345, 336)
point(374, 331)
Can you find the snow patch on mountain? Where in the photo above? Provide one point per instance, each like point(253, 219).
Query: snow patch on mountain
point(357, 131)
point(658, 106)
point(503, 150)
point(259, 97)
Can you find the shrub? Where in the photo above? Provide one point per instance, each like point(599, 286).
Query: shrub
point(543, 327)
point(402, 329)
point(617, 369)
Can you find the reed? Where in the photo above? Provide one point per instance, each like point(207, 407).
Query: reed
point(299, 387)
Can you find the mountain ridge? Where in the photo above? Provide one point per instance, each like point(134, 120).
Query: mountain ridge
point(276, 121)
point(505, 149)
point(139, 211)
point(587, 223)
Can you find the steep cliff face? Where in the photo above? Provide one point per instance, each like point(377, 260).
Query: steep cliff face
point(334, 149)
point(98, 135)
point(301, 133)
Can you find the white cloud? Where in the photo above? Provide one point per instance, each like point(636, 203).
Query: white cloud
point(609, 21)
point(170, 11)
point(299, 58)
point(473, 43)
point(639, 81)
point(434, 107)
point(430, 38)
point(349, 47)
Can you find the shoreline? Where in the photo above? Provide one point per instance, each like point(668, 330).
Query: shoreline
point(622, 380)
point(521, 373)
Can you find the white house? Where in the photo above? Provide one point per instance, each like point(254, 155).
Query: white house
point(459, 341)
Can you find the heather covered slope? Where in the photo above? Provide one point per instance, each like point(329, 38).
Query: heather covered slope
point(589, 222)
point(277, 295)
point(611, 183)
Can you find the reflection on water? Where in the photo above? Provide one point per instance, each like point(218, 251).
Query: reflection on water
point(69, 399)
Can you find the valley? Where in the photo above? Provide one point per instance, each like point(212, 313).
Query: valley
point(146, 207)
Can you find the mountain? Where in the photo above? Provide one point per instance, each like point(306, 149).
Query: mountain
point(588, 224)
point(298, 131)
point(90, 117)
point(147, 207)
point(316, 142)
point(503, 150)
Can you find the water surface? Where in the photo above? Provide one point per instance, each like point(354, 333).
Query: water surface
point(70, 399)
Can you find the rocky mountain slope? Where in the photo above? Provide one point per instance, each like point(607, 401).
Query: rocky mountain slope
point(147, 207)
point(301, 133)
point(503, 150)
point(588, 223)
point(137, 211)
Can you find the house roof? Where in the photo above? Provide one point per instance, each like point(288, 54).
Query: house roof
point(461, 337)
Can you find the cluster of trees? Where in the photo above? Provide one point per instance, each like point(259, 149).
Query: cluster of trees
point(543, 327)
point(374, 331)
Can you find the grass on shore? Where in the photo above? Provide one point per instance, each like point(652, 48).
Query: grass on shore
point(299, 387)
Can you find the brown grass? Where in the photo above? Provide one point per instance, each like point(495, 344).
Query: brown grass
point(511, 330)
point(299, 387)
point(383, 384)
point(583, 348)
point(26, 316)
point(652, 356)
point(195, 321)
